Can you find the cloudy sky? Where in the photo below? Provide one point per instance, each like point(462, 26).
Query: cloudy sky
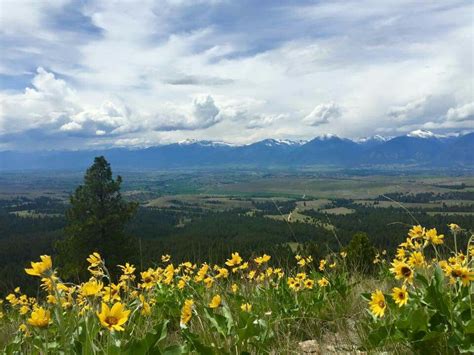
point(81, 74)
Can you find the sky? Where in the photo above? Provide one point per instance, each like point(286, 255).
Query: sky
point(102, 73)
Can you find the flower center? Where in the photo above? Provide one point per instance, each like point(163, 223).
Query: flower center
point(406, 271)
point(381, 304)
point(456, 273)
point(111, 320)
point(401, 295)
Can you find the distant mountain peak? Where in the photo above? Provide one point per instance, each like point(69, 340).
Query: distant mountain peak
point(272, 142)
point(421, 133)
point(376, 138)
point(204, 143)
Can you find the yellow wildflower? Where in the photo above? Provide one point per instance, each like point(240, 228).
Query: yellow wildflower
point(208, 281)
point(309, 284)
point(323, 282)
point(377, 304)
point(146, 308)
point(234, 260)
point(433, 237)
point(301, 262)
point(402, 270)
point(24, 309)
point(127, 272)
point(222, 273)
point(201, 274)
point(460, 272)
point(454, 227)
point(186, 312)
point(94, 259)
point(416, 259)
point(322, 265)
point(111, 293)
point(91, 288)
point(181, 284)
point(41, 268)
point(416, 232)
point(51, 299)
point(401, 253)
point(40, 318)
point(215, 302)
point(400, 295)
point(113, 318)
point(148, 279)
point(246, 307)
point(262, 259)
point(244, 266)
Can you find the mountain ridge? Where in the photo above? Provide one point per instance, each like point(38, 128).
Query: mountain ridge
point(418, 148)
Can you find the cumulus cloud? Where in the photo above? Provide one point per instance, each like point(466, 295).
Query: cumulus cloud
point(408, 111)
point(422, 110)
point(115, 77)
point(322, 114)
point(50, 105)
point(202, 114)
point(461, 113)
point(98, 121)
point(264, 120)
point(47, 103)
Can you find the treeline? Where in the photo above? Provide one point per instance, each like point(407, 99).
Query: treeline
point(196, 234)
point(387, 227)
point(426, 197)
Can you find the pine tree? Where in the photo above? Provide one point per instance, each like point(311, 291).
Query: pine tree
point(96, 221)
point(360, 253)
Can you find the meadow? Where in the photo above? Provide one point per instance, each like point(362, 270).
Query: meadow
point(419, 300)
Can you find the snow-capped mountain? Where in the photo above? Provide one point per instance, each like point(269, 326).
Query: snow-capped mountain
point(204, 143)
point(420, 133)
point(272, 142)
point(376, 138)
point(417, 148)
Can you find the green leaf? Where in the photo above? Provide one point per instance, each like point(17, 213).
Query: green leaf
point(469, 328)
point(230, 319)
point(218, 321)
point(421, 279)
point(418, 320)
point(149, 341)
point(175, 350)
point(377, 336)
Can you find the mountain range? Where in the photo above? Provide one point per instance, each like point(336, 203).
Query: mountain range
point(418, 149)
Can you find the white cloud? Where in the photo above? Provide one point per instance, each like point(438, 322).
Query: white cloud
point(461, 113)
point(51, 105)
point(264, 121)
point(409, 111)
point(205, 112)
point(47, 103)
point(128, 73)
point(322, 114)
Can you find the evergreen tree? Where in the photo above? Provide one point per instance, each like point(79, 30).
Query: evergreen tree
point(96, 221)
point(360, 253)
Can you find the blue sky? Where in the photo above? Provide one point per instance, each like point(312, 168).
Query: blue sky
point(84, 74)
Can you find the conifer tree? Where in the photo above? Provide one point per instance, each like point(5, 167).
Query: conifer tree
point(96, 221)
